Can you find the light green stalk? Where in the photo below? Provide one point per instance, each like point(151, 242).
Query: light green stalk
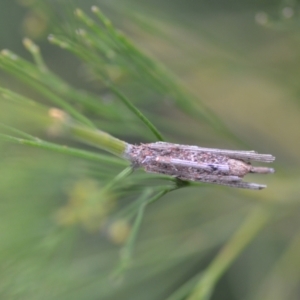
point(94, 137)
point(244, 235)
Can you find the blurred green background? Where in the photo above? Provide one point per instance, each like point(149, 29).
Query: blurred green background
point(240, 59)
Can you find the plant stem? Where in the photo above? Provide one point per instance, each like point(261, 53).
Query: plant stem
point(245, 234)
point(94, 137)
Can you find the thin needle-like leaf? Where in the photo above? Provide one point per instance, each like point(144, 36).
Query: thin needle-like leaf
point(255, 222)
point(65, 150)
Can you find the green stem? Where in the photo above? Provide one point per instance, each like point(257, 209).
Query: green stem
point(137, 112)
point(97, 138)
point(127, 250)
point(245, 234)
point(127, 171)
point(10, 64)
point(65, 150)
point(90, 136)
point(36, 54)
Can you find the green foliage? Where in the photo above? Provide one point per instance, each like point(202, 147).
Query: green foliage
point(79, 224)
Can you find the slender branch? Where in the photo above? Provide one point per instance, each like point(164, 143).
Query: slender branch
point(255, 222)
